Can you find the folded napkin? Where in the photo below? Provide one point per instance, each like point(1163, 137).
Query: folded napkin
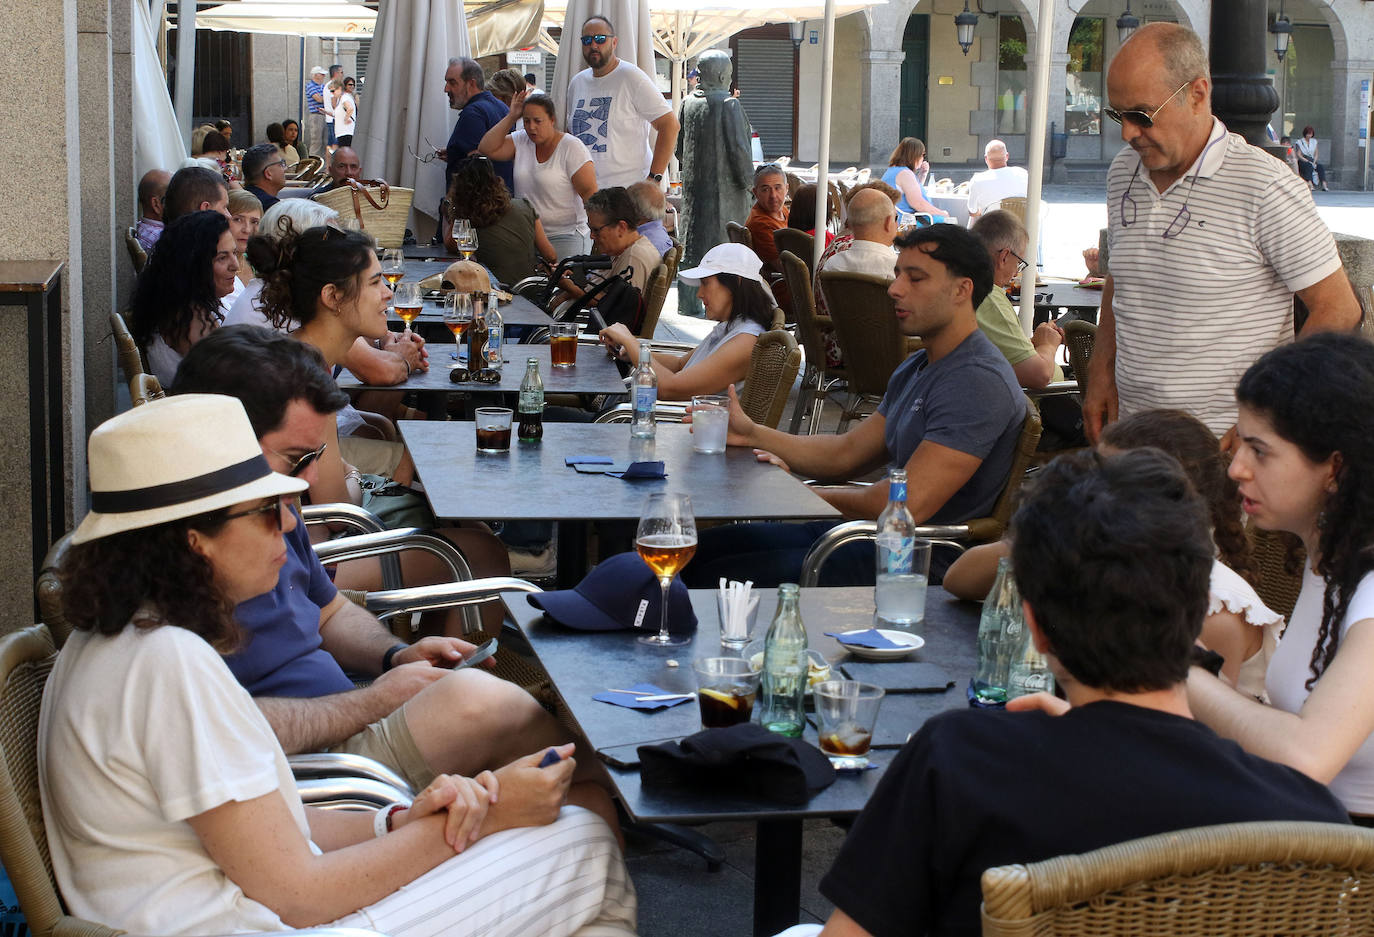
point(631, 702)
point(638, 470)
point(739, 760)
point(588, 460)
point(868, 638)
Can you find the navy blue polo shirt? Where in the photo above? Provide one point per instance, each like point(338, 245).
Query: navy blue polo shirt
point(482, 112)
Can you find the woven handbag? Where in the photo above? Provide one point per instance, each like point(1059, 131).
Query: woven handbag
point(379, 209)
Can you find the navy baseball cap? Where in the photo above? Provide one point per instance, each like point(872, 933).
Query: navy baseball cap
point(620, 593)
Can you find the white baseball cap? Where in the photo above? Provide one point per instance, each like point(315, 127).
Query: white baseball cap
point(318, 70)
point(726, 258)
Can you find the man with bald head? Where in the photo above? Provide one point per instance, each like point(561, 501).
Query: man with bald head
point(152, 189)
point(872, 219)
point(344, 164)
point(1209, 238)
point(987, 189)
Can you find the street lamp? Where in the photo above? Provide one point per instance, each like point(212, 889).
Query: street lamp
point(1283, 31)
point(1126, 24)
point(796, 29)
point(964, 25)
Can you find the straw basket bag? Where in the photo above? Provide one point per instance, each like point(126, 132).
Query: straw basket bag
point(380, 210)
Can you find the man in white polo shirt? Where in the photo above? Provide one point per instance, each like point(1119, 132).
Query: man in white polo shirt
point(987, 189)
point(611, 107)
point(1209, 240)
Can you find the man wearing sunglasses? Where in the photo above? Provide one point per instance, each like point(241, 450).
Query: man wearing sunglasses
point(1209, 238)
point(612, 106)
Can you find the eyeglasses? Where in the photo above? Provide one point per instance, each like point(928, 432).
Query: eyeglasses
point(1021, 262)
point(433, 152)
point(1180, 222)
point(272, 507)
point(301, 464)
point(599, 39)
point(1141, 118)
point(484, 376)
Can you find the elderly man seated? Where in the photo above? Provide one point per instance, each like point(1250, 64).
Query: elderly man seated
point(769, 214)
point(987, 189)
point(152, 190)
point(264, 173)
point(866, 249)
point(344, 164)
point(649, 211)
point(612, 220)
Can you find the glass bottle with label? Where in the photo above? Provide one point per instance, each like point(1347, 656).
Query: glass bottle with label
point(999, 634)
point(495, 331)
point(644, 387)
point(899, 593)
point(530, 409)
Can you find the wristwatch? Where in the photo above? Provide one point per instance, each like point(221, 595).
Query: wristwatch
point(656, 176)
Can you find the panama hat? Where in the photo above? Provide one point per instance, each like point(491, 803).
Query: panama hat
point(726, 258)
point(173, 458)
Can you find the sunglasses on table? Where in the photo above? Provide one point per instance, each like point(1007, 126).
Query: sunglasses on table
point(1142, 119)
point(599, 39)
point(272, 506)
point(301, 464)
point(482, 376)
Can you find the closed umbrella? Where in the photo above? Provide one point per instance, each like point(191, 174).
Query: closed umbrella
point(636, 45)
point(158, 143)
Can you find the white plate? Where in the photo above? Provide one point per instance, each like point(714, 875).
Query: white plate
point(909, 642)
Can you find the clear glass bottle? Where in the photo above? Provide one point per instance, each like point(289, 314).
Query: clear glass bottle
point(644, 386)
point(783, 708)
point(1029, 671)
point(530, 409)
point(999, 635)
point(495, 331)
point(899, 595)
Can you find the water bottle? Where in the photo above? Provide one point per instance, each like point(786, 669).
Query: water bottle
point(899, 597)
point(644, 386)
point(784, 667)
point(1030, 671)
point(999, 633)
point(530, 410)
point(495, 332)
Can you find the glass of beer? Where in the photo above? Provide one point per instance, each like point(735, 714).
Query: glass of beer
point(726, 690)
point(563, 344)
point(493, 429)
point(458, 316)
point(666, 539)
point(408, 302)
point(393, 266)
point(846, 712)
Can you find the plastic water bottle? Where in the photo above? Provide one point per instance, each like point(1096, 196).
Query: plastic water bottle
point(899, 598)
point(784, 667)
point(644, 386)
point(1030, 671)
point(530, 410)
point(495, 332)
point(1000, 633)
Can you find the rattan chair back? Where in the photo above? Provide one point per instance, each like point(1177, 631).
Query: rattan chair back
point(1079, 336)
point(145, 387)
point(1278, 559)
point(48, 590)
point(1031, 428)
point(862, 316)
point(773, 367)
point(1016, 205)
point(136, 252)
point(307, 166)
point(672, 257)
point(655, 294)
point(799, 243)
point(1238, 879)
point(810, 325)
point(739, 234)
point(130, 360)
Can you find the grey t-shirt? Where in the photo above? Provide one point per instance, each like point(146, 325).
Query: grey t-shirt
point(969, 400)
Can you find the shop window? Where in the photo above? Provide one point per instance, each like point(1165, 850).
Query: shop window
point(1083, 86)
point(1012, 80)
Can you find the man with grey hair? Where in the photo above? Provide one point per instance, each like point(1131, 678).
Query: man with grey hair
point(649, 207)
point(866, 249)
point(479, 111)
point(987, 189)
point(1209, 239)
point(1033, 359)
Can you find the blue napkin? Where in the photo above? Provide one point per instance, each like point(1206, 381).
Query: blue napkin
point(648, 689)
point(869, 638)
point(638, 470)
point(588, 460)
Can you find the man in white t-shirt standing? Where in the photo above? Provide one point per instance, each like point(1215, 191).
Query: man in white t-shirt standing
point(611, 107)
point(987, 189)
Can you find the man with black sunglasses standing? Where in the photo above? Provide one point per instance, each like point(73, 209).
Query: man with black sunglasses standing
point(611, 107)
point(1209, 239)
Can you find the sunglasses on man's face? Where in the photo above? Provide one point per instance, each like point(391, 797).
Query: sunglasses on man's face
point(1142, 119)
point(599, 39)
point(304, 462)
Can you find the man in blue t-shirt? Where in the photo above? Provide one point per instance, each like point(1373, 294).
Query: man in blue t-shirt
point(951, 417)
point(479, 111)
point(314, 118)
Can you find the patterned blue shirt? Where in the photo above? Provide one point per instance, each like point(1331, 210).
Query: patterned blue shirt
point(313, 88)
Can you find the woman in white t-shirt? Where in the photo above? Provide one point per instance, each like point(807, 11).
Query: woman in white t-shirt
point(168, 802)
point(1305, 465)
point(553, 169)
point(733, 292)
point(346, 114)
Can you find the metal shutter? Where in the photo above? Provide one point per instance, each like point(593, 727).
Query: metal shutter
point(364, 53)
point(764, 71)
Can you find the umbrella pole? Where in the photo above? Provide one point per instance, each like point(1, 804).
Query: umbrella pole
point(823, 154)
point(1035, 153)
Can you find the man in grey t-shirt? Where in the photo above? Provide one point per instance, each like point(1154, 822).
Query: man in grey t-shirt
point(951, 416)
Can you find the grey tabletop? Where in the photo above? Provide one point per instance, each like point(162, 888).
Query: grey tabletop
point(956, 205)
point(593, 374)
point(519, 311)
point(1069, 296)
point(532, 482)
point(582, 664)
point(427, 252)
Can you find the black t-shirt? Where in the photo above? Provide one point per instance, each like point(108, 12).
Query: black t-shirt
point(977, 789)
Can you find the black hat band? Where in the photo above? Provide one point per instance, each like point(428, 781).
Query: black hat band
point(180, 492)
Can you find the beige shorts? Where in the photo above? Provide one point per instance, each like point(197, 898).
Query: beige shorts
point(389, 741)
point(371, 456)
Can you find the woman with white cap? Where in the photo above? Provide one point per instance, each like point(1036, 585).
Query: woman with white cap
point(736, 299)
point(168, 803)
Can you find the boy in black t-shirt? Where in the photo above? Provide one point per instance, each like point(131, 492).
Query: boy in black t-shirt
point(1115, 597)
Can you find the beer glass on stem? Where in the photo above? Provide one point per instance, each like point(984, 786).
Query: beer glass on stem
point(393, 266)
point(666, 539)
point(408, 302)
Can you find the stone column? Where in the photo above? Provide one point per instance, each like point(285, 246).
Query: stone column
point(1059, 62)
point(1346, 156)
point(1243, 96)
point(880, 124)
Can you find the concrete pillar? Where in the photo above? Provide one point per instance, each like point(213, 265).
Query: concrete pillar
point(1346, 158)
point(882, 95)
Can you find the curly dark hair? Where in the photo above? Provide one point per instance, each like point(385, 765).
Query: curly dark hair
point(1188, 439)
point(477, 193)
point(296, 267)
point(1316, 394)
point(177, 288)
point(105, 581)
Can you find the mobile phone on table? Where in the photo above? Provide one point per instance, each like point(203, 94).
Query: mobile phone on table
point(476, 657)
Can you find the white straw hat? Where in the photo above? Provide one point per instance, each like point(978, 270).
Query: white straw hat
point(173, 458)
point(726, 258)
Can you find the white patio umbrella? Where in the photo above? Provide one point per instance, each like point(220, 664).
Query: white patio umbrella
point(1039, 106)
point(405, 109)
point(158, 143)
point(631, 19)
point(291, 18)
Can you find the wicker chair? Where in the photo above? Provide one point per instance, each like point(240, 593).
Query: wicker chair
point(739, 234)
point(1279, 559)
point(871, 343)
point(817, 379)
point(655, 293)
point(673, 258)
point(1079, 336)
point(1016, 205)
point(136, 252)
point(145, 387)
point(799, 243)
point(130, 360)
point(1238, 879)
point(773, 367)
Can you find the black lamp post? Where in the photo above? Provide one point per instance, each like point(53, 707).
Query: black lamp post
point(1126, 24)
point(1282, 31)
point(1243, 96)
point(964, 25)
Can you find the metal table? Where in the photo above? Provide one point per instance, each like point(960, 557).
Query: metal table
point(956, 205)
point(1070, 297)
point(584, 663)
point(594, 373)
point(533, 484)
point(519, 311)
point(427, 252)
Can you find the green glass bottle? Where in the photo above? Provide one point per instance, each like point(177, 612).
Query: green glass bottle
point(784, 667)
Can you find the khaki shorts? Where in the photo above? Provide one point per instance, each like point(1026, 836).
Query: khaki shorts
point(389, 741)
point(371, 456)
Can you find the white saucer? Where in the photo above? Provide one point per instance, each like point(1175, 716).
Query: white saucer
point(909, 642)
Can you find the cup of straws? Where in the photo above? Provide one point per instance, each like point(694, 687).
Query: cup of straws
point(738, 605)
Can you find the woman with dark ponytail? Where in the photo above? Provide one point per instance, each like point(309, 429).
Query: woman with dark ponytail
point(1305, 465)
